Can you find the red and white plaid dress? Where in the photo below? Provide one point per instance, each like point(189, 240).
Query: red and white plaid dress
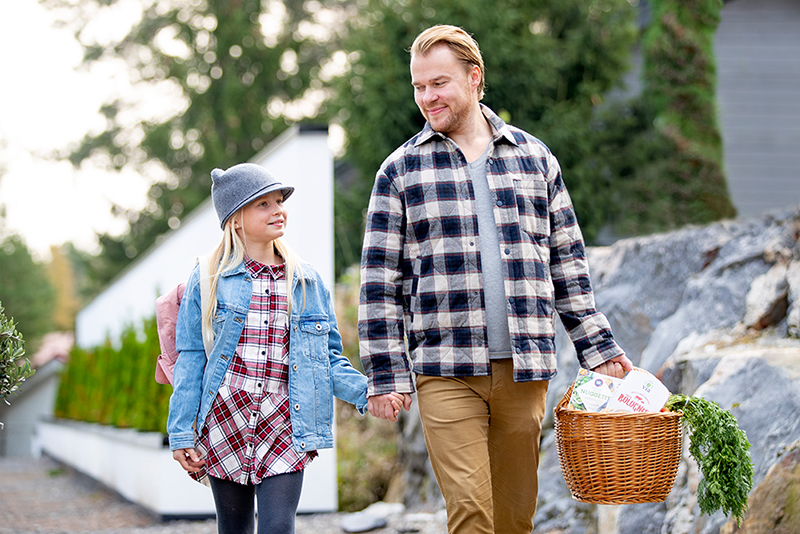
point(248, 432)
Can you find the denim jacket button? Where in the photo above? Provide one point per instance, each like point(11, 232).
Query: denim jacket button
point(302, 444)
point(319, 327)
point(296, 407)
point(294, 367)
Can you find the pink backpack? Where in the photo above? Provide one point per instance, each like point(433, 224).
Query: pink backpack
point(167, 307)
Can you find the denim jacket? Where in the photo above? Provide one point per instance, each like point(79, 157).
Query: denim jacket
point(317, 369)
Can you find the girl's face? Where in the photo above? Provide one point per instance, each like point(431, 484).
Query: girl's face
point(262, 220)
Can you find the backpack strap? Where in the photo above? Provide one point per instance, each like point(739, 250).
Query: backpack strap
point(205, 294)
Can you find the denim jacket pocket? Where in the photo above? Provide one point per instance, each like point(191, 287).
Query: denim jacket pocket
point(315, 332)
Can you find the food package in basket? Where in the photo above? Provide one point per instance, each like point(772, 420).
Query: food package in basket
point(592, 390)
point(639, 392)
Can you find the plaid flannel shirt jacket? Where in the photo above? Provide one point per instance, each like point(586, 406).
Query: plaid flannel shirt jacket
point(421, 282)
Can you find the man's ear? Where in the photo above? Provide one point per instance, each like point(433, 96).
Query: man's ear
point(475, 76)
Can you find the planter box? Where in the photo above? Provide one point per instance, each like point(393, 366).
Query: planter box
point(140, 468)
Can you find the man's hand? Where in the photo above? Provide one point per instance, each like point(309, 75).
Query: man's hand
point(387, 406)
point(189, 459)
point(616, 367)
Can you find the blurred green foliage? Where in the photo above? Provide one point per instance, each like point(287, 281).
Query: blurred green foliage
point(548, 67)
point(25, 289)
point(116, 386)
point(663, 151)
point(245, 70)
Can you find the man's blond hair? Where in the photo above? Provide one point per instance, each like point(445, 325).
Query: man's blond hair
point(463, 45)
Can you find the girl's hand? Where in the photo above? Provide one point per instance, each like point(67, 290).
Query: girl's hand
point(189, 459)
point(387, 406)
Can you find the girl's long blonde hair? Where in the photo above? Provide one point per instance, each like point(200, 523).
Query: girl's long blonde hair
point(230, 253)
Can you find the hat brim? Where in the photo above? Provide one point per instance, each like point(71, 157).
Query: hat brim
point(286, 189)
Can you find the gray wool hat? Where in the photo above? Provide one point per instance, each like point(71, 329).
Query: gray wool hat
point(232, 189)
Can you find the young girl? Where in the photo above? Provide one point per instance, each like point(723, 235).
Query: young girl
point(252, 413)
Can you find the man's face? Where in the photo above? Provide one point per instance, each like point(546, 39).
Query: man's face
point(444, 89)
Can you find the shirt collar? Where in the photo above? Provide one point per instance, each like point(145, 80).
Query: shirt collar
point(256, 268)
point(500, 129)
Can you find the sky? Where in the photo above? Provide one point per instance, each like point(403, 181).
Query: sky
point(46, 104)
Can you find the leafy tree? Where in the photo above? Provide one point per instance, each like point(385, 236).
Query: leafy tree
point(548, 65)
point(25, 289)
point(242, 70)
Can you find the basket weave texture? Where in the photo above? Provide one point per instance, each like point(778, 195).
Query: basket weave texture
point(616, 457)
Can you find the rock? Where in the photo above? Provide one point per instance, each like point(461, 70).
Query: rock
point(774, 506)
point(768, 299)
point(362, 522)
point(793, 314)
point(384, 509)
point(374, 516)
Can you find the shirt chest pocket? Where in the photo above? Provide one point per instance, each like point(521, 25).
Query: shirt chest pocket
point(532, 205)
point(314, 337)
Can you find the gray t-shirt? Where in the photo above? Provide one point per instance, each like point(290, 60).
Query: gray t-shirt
point(491, 266)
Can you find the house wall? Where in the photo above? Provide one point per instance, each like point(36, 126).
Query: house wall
point(757, 48)
point(35, 402)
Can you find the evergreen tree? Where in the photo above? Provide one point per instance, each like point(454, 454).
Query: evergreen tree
point(663, 151)
point(25, 289)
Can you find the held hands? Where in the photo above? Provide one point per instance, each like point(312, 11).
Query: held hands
point(387, 406)
point(616, 367)
point(189, 459)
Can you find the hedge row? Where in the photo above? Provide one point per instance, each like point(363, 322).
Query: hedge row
point(116, 386)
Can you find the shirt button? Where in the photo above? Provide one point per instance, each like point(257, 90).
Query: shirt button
point(499, 202)
point(507, 251)
point(471, 243)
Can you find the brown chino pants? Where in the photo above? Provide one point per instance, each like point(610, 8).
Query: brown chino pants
point(483, 436)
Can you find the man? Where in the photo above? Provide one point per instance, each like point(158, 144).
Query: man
point(471, 246)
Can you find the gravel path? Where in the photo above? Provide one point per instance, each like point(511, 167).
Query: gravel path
point(42, 496)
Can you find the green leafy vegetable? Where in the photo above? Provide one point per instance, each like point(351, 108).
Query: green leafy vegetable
point(720, 449)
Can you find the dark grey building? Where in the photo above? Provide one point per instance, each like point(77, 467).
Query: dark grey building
point(757, 48)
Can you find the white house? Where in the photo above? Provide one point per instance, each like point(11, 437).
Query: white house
point(300, 157)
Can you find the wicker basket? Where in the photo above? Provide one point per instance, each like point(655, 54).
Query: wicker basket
point(617, 458)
